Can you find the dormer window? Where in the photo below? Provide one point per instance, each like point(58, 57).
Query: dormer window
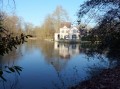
point(74, 31)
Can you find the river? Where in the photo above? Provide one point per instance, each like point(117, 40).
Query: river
point(51, 65)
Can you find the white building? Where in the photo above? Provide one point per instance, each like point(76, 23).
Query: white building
point(71, 33)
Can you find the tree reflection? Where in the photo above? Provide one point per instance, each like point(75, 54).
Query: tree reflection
point(13, 56)
point(12, 82)
point(102, 54)
point(64, 53)
point(9, 70)
point(111, 54)
point(57, 54)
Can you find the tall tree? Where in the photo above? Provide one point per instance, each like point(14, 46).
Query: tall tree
point(53, 22)
point(12, 23)
point(59, 15)
point(48, 27)
point(29, 28)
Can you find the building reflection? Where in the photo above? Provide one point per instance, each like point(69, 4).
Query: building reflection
point(57, 54)
point(64, 53)
point(67, 50)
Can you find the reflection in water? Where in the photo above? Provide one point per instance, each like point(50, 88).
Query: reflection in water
point(49, 65)
point(9, 71)
point(10, 57)
point(67, 50)
point(11, 83)
point(58, 54)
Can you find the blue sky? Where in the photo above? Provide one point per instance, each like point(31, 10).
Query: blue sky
point(35, 11)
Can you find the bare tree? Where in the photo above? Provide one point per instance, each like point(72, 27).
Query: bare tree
point(48, 27)
point(59, 15)
point(7, 2)
point(12, 24)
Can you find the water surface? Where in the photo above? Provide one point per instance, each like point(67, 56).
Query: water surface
point(49, 65)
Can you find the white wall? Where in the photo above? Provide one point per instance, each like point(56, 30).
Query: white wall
point(67, 31)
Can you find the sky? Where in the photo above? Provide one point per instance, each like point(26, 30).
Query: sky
point(35, 11)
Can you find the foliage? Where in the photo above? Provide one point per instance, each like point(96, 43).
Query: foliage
point(12, 23)
point(107, 16)
point(10, 36)
point(89, 38)
point(9, 40)
point(100, 5)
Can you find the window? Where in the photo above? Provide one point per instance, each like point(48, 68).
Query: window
point(74, 46)
point(58, 36)
point(74, 36)
point(67, 37)
point(74, 31)
point(58, 46)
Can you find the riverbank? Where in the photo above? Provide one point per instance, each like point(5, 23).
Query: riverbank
point(107, 79)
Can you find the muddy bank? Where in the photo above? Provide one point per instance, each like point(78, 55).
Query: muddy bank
point(107, 79)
